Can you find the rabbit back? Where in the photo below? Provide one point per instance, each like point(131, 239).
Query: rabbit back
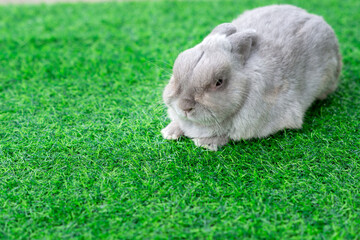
point(296, 61)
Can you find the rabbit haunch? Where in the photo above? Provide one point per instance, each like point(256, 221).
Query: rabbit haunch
point(252, 77)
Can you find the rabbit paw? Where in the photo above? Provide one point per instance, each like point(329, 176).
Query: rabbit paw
point(172, 131)
point(211, 143)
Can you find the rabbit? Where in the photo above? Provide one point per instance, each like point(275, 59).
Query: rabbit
point(252, 77)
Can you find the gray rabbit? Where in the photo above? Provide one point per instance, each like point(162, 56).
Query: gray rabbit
point(252, 77)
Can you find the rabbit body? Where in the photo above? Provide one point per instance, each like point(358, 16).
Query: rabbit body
point(252, 77)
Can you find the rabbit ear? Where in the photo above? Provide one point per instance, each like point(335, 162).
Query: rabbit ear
point(225, 28)
point(243, 42)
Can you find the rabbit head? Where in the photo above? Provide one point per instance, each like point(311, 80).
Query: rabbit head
point(208, 84)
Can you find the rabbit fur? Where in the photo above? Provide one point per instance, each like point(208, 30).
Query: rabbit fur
point(252, 77)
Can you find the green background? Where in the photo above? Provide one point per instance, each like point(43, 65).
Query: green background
point(81, 154)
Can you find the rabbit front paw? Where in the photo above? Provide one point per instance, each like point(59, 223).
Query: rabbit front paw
point(172, 131)
point(211, 143)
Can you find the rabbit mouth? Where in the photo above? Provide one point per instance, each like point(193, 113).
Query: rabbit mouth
point(205, 118)
point(185, 115)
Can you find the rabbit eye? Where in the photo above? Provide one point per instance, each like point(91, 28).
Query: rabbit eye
point(219, 82)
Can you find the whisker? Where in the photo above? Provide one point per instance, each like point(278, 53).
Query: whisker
point(164, 69)
point(214, 118)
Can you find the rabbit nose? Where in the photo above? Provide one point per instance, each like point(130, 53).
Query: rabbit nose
point(187, 105)
point(188, 109)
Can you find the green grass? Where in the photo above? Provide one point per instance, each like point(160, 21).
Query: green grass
point(81, 155)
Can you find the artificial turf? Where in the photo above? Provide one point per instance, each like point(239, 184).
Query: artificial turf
point(81, 154)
